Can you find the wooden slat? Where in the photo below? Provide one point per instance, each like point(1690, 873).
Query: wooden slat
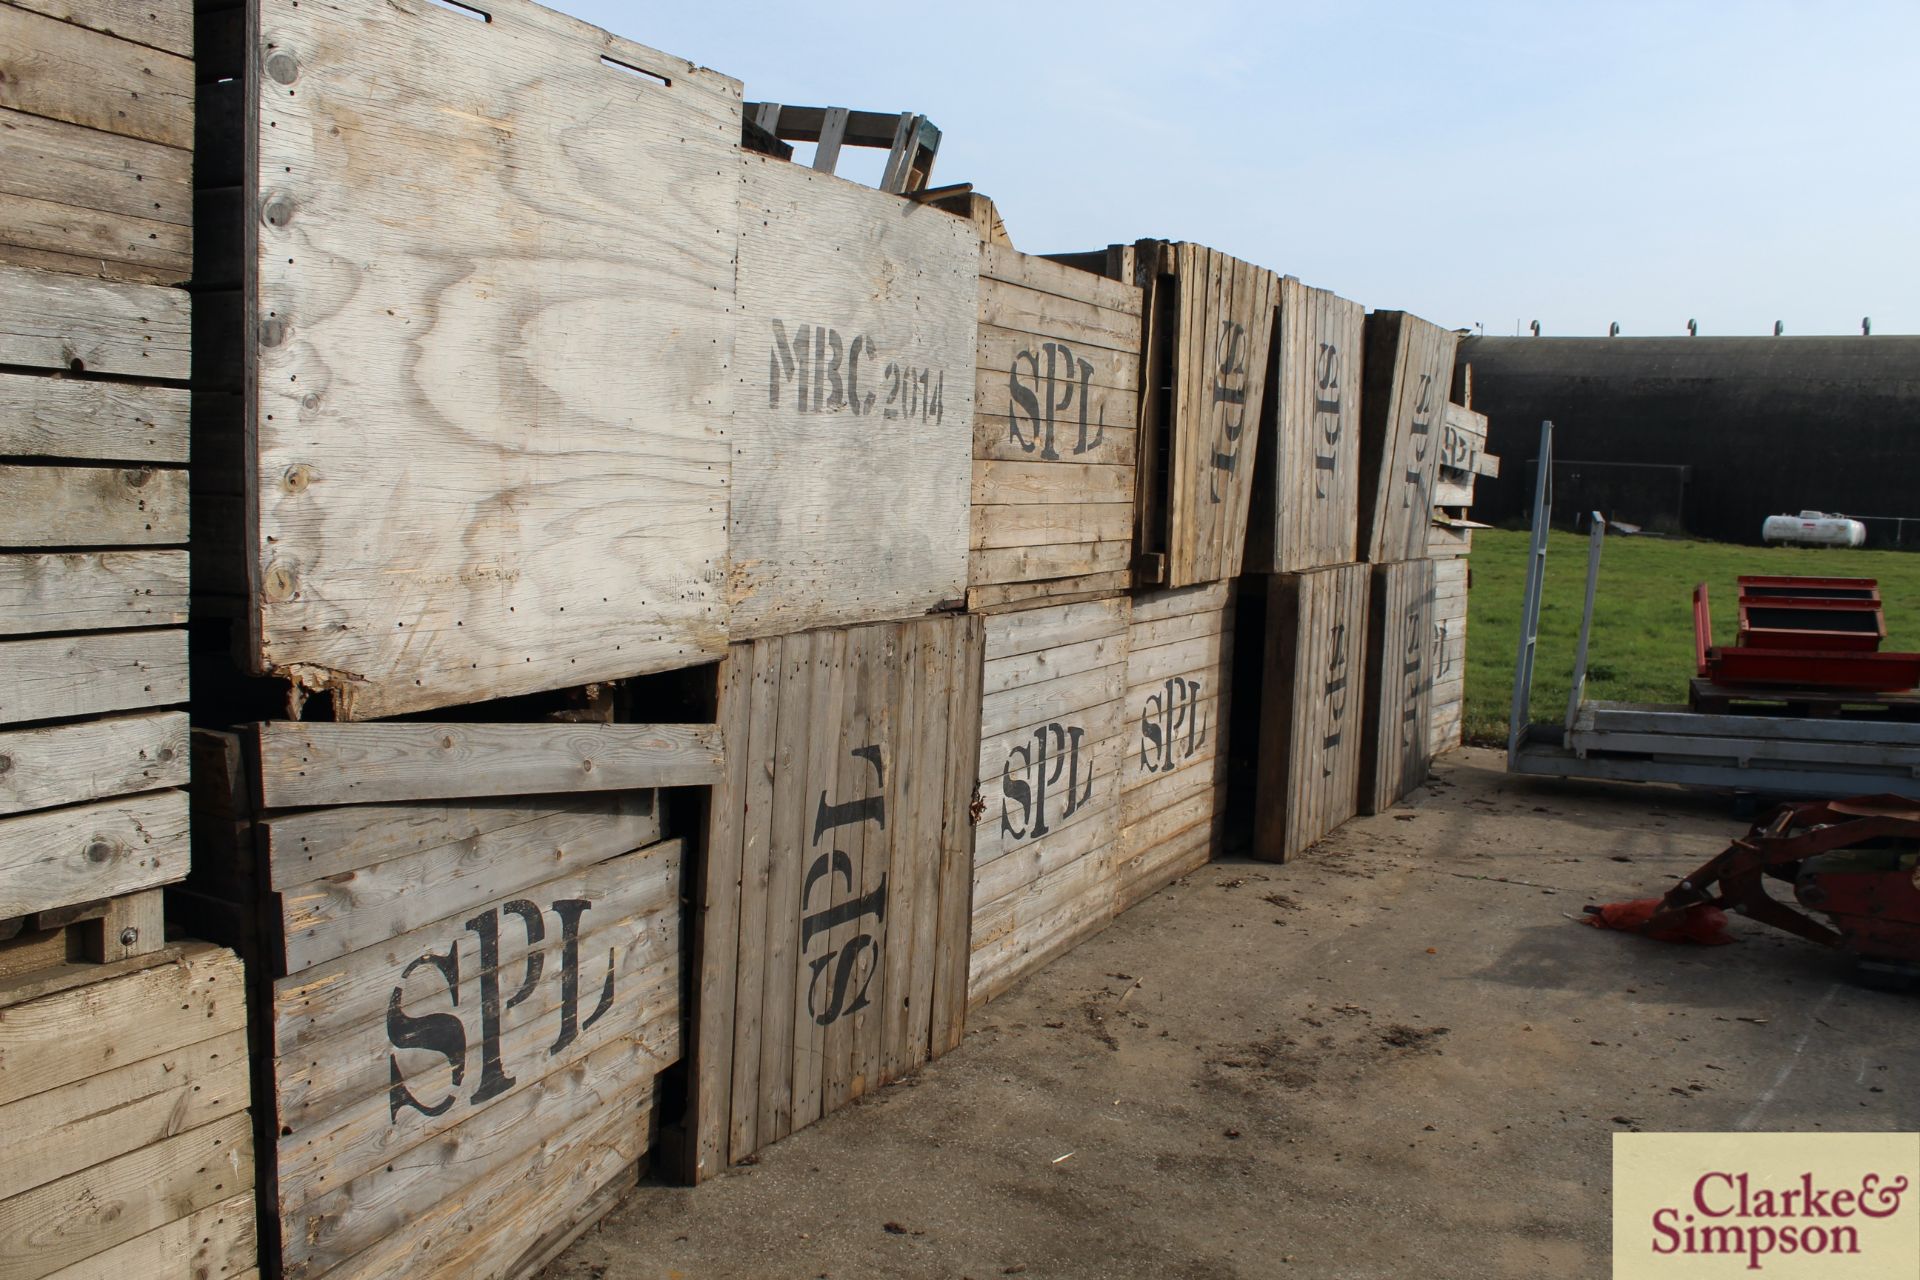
point(1026, 524)
point(52, 321)
point(997, 348)
point(67, 72)
point(122, 1109)
point(42, 679)
point(108, 421)
point(1056, 560)
point(1050, 482)
point(77, 1034)
point(1026, 596)
point(45, 506)
point(92, 759)
point(57, 857)
point(167, 25)
point(84, 1213)
point(216, 1243)
point(1395, 752)
point(783, 1023)
point(955, 906)
point(717, 925)
point(1003, 263)
point(316, 764)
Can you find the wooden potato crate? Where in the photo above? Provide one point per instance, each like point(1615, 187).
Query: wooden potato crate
point(1306, 495)
point(1409, 369)
point(1311, 701)
point(1396, 747)
point(853, 421)
point(832, 903)
point(96, 225)
point(1055, 432)
point(1052, 741)
point(1173, 771)
point(129, 1151)
point(1209, 326)
point(96, 139)
point(1451, 577)
point(465, 350)
point(465, 949)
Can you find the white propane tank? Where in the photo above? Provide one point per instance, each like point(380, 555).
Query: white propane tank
point(1815, 529)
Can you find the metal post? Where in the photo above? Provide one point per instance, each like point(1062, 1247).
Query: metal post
point(1530, 605)
point(1578, 693)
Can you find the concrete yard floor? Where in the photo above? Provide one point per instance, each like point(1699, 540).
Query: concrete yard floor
point(1394, 1056)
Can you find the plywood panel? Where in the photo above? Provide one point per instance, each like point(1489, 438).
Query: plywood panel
point(491, 386)
point(854, 413)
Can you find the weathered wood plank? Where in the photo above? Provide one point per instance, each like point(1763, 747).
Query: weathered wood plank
point(45, 506)
point(1057, 560)
point(1021, 526)
point(997, 354)
point(315, 844)
point(76, 1034)
point(717, 925)
point(166, 25)
point(67, 72)
point(58, 237)
point(52, 677)
point(218, 1242)
point(1009, 597)
point(84, 1213)
point(861, 310)
point(1395, 751)
point(109, 421)
point(1029, 271)
point(955, 907)
point(96, 1118)
point(55, 321)
point(316, 764)
point(508, 471)
point(1007, 483)
point(57, 857)
point(92, 759)
point(1409, 367)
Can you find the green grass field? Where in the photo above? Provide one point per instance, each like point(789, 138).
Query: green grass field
point(1642, 645)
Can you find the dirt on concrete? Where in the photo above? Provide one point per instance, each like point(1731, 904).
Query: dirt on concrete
point(1395, 1056)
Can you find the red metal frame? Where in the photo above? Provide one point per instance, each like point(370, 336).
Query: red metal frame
point(1805, 667)
point(1877, 911)
point(1779, 584)
point(1795, 622)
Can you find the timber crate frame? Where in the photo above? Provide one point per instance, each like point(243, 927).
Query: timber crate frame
point(1208, 330)
point(832, 900)
point(1051, 754)
point(1306, 488)
point(1397, 748)
point(1311, 702)
point(465, 958)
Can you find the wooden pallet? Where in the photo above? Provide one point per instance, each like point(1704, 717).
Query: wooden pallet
point(466, 956)
point(1311, 708)
point(1409, 368)
point(124, 1103)
point(1052, 751)
point(1396, 747)
point(831, 904)
point(1055, 432)
point(1306, 494)
point(1173, 771)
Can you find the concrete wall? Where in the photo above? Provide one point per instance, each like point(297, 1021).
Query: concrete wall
point(1765, 424)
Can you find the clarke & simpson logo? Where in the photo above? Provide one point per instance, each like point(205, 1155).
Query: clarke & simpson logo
point(1782, 1205)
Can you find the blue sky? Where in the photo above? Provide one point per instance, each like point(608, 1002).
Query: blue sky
point(1490, 163)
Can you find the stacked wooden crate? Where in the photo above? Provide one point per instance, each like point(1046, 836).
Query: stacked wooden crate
point(1463, 456)
point(96, 214)
point(467, 964)
point(832, 914)
point(1304, 585)
point(1408, 373)
point(1052, 746)
point(1173, 762)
